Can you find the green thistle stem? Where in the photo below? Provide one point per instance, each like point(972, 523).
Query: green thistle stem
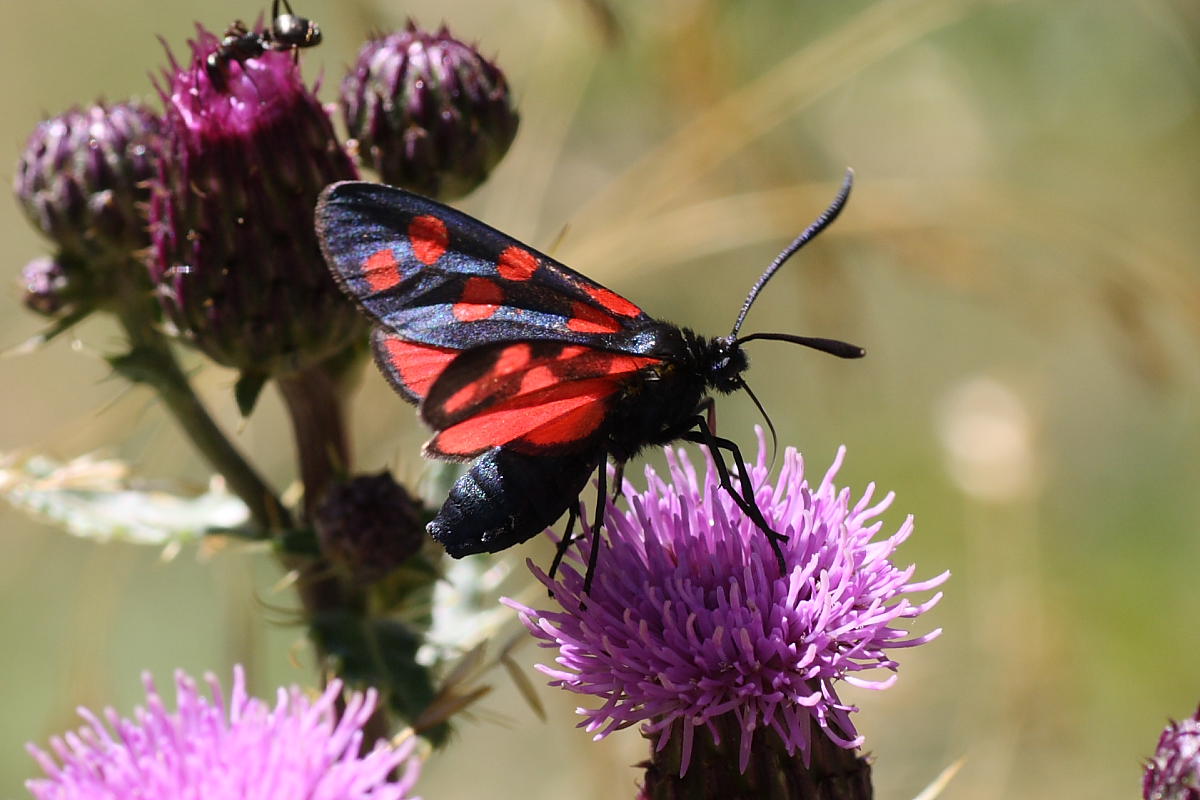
point(151, 361)
point(314, 401)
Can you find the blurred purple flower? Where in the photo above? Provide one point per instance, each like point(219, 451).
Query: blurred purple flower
point(211, 749)
point(688, 621)
point(1174, 772)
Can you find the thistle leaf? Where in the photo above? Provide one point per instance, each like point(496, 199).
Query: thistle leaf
point(99, 499)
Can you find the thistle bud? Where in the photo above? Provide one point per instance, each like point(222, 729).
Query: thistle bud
point(430, 114)
point(82, 178)
point(247, 147)
point(1174, 771)
point(369, 524)
point(55, 287)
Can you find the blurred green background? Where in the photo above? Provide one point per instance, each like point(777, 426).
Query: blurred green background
point(1019, 258)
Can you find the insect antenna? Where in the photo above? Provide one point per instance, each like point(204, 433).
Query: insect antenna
point(821, 223)
point(766, 417)
point(834, 347)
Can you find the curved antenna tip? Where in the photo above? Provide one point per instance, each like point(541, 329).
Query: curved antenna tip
point(808, 234)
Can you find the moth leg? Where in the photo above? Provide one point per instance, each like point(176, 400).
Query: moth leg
point(708, 408)
point(597, 518)
point(745, 500)
point(619, 483)
point(565, 542)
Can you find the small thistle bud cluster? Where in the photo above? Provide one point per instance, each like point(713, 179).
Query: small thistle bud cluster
point(54, 287)
point(229, 176)
point(430, 113)
point(81, 179)
point(369, 524)
point(82, 182)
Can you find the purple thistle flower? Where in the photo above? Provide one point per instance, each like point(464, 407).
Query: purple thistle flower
point(1174, 772)
point(688, 625)
point(240, 750)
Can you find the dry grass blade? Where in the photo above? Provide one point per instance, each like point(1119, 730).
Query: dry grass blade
point(675, 165)
point(702, 229)
point(555, 88)
point(446, 705)
point(470, 665)
point(939, 783)
point(728, 223)
point(524, 685)
point(604, 19)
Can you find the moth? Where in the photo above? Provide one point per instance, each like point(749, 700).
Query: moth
point(535, 372)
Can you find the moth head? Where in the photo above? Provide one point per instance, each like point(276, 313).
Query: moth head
point(726, 363)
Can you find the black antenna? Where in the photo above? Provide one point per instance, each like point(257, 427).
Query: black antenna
point(765, 416)
point(834, 347)
point(820, 224)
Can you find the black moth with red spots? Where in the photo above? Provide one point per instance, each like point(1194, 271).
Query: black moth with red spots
point(523, 364)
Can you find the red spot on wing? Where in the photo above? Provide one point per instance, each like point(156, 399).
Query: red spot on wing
point(511, 360)
point(570, 427)
point(620, 365)
point(480, 299)
point(612, 301)
point(585, 319)
point(428, 237)
point(514, 359)
point(517, 264)
point(515, 382)
point(560, 414)
point(576, 363)
point(538, 378)
point(416, 366)
point(381, 270)
point(461, 399)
